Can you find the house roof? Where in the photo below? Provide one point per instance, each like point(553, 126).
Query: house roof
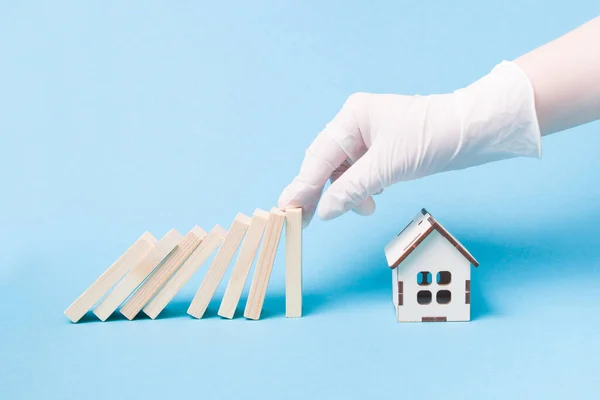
point(413, 235)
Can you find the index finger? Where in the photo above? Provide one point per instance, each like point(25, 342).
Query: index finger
point(321, 159)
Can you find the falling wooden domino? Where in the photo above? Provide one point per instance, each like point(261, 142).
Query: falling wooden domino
point(264, 264)
point(185, 272)
point(293, 263)
point(215, 273)
point(153, 284)
point(137, 275)
point(110, 277)
point(242, 265)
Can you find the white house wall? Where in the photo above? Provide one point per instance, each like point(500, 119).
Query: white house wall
point(434, 254)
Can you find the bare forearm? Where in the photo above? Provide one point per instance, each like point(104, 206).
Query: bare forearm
point(565, 75)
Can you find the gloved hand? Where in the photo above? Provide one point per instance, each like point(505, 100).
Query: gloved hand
point(379, 139)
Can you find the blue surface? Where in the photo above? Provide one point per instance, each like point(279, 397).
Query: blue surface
point(116, 119)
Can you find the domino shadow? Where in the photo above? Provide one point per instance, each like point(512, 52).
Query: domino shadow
point(90, 317)
point(178, 309)
point(273, 307)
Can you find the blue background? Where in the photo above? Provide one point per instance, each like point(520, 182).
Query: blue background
point(116, 118)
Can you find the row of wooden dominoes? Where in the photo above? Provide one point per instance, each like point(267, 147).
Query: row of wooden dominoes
point(151, 272)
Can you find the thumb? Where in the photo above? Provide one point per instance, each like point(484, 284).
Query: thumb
point(350, 190)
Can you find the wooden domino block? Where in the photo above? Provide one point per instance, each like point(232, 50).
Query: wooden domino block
point(242, 266)
point(185, 272)
point(293, 263)
point(137, 275)
point(110, 277)
point(215, 273)
point(264, 264)
point(158, 278)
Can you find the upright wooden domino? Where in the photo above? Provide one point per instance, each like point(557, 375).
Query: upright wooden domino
point(215, 273)
point(153, 284)
point(242, 265)
point(293, 263)
point(110, 277)
point(264, 264)
point(137, 275)
point(185, 272)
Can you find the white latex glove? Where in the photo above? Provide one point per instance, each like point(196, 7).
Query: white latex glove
point(377, 140)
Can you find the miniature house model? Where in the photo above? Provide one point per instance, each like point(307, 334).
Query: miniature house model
point(431, 273)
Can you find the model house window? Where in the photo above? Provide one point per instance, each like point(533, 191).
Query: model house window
point(443, 296)
point(424, 278)
point(443, 278)
point(424, 297)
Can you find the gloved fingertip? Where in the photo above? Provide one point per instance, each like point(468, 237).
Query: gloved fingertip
point(329, 208)
point(284, 199)
point(326, 214)
point(297, 195)
point(366, 208)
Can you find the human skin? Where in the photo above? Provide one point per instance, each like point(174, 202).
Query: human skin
point(565, 75)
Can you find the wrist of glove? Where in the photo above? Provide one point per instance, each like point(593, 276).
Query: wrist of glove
point(498, 118)
point(378, 140)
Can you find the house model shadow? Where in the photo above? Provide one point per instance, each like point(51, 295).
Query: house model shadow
point(431, 273)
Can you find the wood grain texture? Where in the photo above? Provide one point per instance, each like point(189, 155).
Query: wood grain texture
point(264, 264)
point(137, 275)
point(215, 273)
point(152, 285)
point(110, 277)
point(293, 263)
point(242, 265)
point(184, 273)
